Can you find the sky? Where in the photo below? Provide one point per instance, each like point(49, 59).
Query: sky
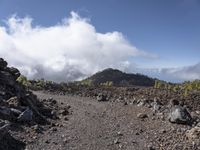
point(68, 40)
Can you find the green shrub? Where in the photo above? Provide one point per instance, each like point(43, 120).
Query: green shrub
point(24, 81)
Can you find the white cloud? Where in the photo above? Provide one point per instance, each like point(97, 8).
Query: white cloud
point(184, 73)
point(67, 51)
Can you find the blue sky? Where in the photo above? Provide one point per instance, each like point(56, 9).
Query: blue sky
point(168, 29)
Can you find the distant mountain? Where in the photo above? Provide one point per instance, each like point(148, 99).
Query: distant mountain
point(118, 78)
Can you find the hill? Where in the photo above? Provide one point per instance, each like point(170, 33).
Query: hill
point(118, 78)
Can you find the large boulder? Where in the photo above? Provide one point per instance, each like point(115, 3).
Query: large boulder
point(180, 115)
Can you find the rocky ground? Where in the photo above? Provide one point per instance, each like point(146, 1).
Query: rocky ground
point(95, 118)
point(113, 125)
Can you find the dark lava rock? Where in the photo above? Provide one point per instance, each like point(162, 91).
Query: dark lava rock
point(64, 112)
point(26, 116)
point(180, 115)
point(4, 129)
point(3, 63)
point(101, 97)
point(15, 72)
point(142, 116)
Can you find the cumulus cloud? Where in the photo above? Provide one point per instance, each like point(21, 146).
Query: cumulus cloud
point(69, 50)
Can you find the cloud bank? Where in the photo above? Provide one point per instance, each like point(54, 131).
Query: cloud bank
point(182, 74)
point(187, 73)
point(69, 50)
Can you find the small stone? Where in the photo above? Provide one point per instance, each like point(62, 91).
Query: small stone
point(65, 140)
point(194, 133)
point(198, 112)
point(101, 97)
point(63, 136)
point(125, 103)
point(178, 146)
point(54, 129)
point(53, 124)
point(141, 104)
point(116, 141)
point(64, 112)
point(57, 124)
point(174, 102)
point(162, 117)
point(66, 118)
point(120, 146)
point(142, 116)
point(119, 133)
point(162, 131)
point(55, 143)
point(37, 128)
point(134, 142)
point(47, 141)
point(137, 133)
point(150, 146)
point(198, 124)
point(14, 102)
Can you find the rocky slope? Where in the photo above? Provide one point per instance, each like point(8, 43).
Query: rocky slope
point(19, 109)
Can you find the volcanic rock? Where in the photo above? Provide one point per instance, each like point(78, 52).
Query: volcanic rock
point(101, 97)
point(26, 116)
point(142, 115)
point(180, 115)
point(4, 129)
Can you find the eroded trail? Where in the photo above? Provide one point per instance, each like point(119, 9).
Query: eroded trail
point(94, 125)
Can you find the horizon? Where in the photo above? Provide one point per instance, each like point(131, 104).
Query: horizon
point(65, 40)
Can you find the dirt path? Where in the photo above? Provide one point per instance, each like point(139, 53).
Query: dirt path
point(97, 125)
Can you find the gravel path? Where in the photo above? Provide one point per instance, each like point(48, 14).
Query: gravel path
point(94, 125)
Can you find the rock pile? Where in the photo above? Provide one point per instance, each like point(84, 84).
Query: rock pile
point(17, 105)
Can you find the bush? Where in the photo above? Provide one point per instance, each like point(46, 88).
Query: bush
point(24, 81)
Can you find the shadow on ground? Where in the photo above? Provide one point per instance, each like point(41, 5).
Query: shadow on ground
point(9, 143)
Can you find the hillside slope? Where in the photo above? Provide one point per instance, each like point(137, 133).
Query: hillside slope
point(118, 78)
